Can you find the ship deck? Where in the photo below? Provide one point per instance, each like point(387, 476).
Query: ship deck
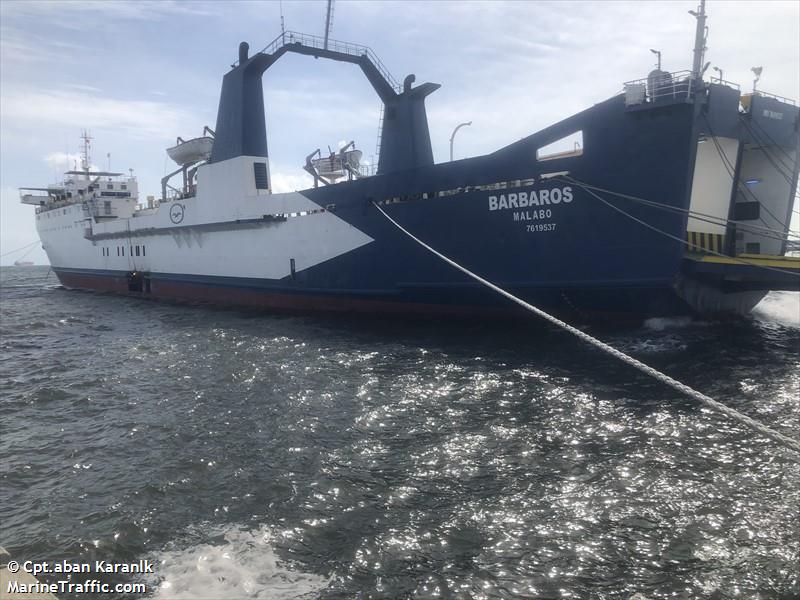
point(747, 271)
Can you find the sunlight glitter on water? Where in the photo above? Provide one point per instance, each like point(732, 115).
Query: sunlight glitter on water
point(329, 459)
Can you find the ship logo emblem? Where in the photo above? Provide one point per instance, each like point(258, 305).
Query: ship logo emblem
point(176, 213)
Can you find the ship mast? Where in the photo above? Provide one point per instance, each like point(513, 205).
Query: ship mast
point(328, 22)
point(85, 160)
point(699, 40)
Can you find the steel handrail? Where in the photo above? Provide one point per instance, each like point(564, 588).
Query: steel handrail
point(679, 85)
point(774, 97)
point(288, 38)
point(725, 82)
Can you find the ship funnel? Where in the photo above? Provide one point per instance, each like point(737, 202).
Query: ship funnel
point(241, 125)
point(405, 138)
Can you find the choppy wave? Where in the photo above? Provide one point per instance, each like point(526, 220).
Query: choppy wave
point(345, 458)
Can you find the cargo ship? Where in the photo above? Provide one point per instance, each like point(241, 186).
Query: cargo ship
point(672, 197)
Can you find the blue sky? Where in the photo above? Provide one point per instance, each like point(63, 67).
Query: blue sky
point(138, 74)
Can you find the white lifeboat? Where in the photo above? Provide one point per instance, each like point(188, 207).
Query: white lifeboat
point(191, 151)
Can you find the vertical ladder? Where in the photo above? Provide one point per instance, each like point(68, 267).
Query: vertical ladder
point(378, 143)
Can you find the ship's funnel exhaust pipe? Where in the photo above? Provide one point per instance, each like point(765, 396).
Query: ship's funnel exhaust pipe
point(241, 125)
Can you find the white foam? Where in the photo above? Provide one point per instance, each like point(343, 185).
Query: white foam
point(782, 307)
point(662, 323)
point(648, 346)
point(242, 564)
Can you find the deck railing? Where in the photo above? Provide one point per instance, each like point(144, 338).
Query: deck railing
point(288, 38)
point(775, 97)
point(655, 89)
point(725, 82)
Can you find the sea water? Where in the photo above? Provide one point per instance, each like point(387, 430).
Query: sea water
point(258, 456)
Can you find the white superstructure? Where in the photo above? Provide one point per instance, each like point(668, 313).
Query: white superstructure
point(213, 226)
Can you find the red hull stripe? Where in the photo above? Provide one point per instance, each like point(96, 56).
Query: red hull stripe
point(262, 298)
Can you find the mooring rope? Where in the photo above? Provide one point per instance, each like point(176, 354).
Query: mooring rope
point(776, 436)
point(735, 259)
point(755, 229)
point(20, 248)
point(46, 277)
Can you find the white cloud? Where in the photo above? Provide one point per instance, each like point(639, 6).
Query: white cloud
point(290, 181)
point(20, 48)
point(84, 88)
point(73, 14)
point(63, 161)
point(25, 108)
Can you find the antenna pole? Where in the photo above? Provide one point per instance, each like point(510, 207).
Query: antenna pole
point(699, 39)
point(85, 160)
point(328, 19)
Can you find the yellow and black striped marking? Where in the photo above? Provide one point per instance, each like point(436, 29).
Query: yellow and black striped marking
point(700, 241)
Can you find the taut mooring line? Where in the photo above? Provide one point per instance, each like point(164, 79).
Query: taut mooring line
point(776, 436)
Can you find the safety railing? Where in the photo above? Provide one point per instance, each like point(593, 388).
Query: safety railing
point(659, 88)
point(775, 97)
point(368, 170)
point(288, 38)
point(53, 205)
point(730, 84)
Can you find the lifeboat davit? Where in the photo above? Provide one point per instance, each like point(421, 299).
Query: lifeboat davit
point(333, 166)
